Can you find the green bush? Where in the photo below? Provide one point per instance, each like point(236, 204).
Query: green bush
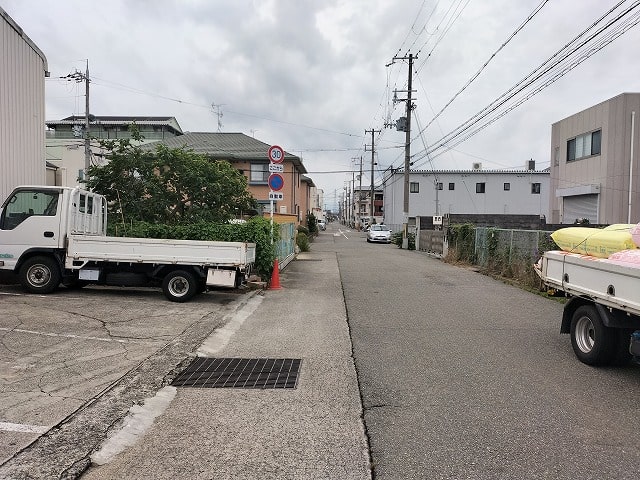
point(303, 229)
point(396, 239)
point(302, 240)
point(312, 223)
point(462, 241)
point(256, 230)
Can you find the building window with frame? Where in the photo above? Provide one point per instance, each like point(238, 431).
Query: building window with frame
point(535, 188)
point(414, 187)
point(507, 186)
point(439, 186)
point(583, 146)
point(452, 186)
point(259, 173)
point(480, 187)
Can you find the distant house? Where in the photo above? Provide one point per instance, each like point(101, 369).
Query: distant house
point(23, 68)
point(594, 164)
point(250, 157)
point(65, 141)
point(361, 209)
point(475, 191)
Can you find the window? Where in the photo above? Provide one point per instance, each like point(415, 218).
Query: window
point(452, 186)
point(507, 186)
point(414, 187)
point(596, 138)
point(480, 187)
point(584, 145)
point(259, 173)
point(27, 203)
point(535, 188)
point(439, 185)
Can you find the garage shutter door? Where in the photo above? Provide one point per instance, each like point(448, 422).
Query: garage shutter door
point(580, 206)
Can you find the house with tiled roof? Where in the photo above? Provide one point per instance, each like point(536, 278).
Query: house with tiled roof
point(250, 156)
point(64, 147)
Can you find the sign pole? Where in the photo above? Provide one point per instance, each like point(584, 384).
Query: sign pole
point(276, 182)
point(271, 222)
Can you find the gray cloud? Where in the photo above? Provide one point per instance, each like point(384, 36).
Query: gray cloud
point(322, 64)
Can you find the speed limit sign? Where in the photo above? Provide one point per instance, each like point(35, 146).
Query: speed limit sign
point(276, 154)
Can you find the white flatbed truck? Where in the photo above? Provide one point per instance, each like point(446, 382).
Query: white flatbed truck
point(602, 314)
point(57, 235)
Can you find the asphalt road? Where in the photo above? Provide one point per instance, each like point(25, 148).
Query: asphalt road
point(73, 362)
point(460, 376)
point(466, 377)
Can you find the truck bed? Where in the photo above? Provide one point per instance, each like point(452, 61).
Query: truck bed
point(609, 284)
point(86, 248)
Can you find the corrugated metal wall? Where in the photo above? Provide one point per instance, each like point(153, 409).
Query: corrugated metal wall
point(22, 110)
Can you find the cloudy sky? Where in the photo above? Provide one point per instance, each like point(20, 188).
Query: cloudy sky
point(312, 76)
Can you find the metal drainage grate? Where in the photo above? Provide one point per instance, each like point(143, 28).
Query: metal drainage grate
point(240, 373)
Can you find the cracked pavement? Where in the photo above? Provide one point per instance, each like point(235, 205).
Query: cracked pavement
point(72, 363)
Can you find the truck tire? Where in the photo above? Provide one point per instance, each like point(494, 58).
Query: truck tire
point(179, 286)
point(40, 275)
point(593, 342)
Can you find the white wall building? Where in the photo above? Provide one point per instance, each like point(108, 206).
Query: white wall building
point(23, 68)
point(594, 163)
point(65, 140)
point(476, 191)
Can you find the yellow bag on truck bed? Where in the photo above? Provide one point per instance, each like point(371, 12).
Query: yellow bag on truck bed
point(595, 241)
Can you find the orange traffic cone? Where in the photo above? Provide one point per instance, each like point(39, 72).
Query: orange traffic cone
point(275, 277)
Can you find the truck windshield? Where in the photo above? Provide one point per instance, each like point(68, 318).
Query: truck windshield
point(26, 203)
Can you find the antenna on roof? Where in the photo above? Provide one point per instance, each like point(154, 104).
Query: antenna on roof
point(217, 111)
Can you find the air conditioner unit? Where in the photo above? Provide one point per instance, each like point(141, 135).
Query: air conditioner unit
point(476, 166)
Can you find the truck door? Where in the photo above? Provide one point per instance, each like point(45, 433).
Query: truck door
point(30, 218)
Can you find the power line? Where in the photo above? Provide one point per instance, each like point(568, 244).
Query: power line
point(119, 86)
point(545, 73)
point(491, 57)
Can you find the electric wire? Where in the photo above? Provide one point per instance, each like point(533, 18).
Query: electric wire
point(455, 137)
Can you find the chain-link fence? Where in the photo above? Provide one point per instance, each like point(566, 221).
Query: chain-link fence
point(494, 245)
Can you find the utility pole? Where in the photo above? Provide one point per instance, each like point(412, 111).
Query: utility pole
point(360, 196)
point(407, 149)
point(357, 216)
point(373, 162)
point(353, 197)
point(80, 77)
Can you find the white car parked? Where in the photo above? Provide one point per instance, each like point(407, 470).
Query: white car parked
point(379, 233)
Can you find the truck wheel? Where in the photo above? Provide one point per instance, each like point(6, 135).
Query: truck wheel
point(40, 275)
point(592, 342)
point(179, 286)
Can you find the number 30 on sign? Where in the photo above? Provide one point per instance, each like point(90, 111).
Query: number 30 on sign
point(276, 154)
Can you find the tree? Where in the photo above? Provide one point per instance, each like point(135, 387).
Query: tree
point(167, 185)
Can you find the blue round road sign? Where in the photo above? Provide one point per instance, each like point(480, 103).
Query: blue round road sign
point(276, 182)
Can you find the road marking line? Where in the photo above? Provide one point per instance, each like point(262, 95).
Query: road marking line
point(18, 427)
point(68, 335)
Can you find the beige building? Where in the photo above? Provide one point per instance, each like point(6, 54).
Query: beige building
point(23, 68)
point(250, 157)
point(594, 164)
point(65, 151)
